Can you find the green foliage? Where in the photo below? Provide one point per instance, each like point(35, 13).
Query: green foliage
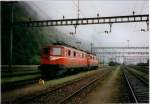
point(35, 59)
point(20, 78)
point(142, 64)
point(111, 63)
point(27, 41)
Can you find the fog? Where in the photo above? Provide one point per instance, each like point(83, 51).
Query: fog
point(95, 33)
point(87, 34)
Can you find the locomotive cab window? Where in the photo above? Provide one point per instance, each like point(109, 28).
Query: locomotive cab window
point(69, 53)
point(56, 51)
point(74, 53)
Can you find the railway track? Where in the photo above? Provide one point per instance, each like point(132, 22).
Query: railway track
point(62, 93)
point(85, 87)
point(142, 76)
point(138, 89)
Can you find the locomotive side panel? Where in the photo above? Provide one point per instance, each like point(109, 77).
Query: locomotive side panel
point(74, 58)
point(92, 61)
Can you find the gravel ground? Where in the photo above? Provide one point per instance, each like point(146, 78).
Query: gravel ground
point(79, 98)
point(110, 89)
point(57, 95)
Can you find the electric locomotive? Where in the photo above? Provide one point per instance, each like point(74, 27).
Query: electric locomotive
point(61, 58)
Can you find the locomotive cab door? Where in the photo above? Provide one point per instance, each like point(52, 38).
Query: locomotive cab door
point(88, 61)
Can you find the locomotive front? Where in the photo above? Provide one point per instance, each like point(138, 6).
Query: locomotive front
point(51, 60)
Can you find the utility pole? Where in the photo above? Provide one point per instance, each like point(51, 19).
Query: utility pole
point(78, 44)
point(147, 25)
point(75, 27)
point(128, 42)
point(110, 27)
point(103, 60)
point(11, 36)
point(91, 46)
point(123, 60)
point(78, 10)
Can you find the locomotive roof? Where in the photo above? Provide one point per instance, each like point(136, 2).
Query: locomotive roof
point(67, 45)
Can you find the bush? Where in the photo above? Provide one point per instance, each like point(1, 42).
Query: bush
point(142, 64)
point(111, 63)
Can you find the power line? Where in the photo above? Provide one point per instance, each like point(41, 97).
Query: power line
point(78, 9)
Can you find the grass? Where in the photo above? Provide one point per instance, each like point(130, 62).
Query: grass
point(69, 78)
point(19, 74)
point(144, 75)
point(15, 66)
point(19, 78)
point(144, 69)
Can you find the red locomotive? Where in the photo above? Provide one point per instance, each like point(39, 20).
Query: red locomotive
point(60, 58)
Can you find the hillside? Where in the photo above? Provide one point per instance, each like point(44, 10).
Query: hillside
point(27, 42)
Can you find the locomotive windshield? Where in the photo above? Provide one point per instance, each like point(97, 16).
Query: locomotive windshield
point(56, 51)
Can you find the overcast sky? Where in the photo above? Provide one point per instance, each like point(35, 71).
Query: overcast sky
point(56, 9)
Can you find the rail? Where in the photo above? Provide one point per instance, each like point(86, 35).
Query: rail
point(79, 90)
point(137, 88)
point(130, 88)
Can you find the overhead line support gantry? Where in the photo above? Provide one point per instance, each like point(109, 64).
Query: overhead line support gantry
point(99, 48)
point(86, 21)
